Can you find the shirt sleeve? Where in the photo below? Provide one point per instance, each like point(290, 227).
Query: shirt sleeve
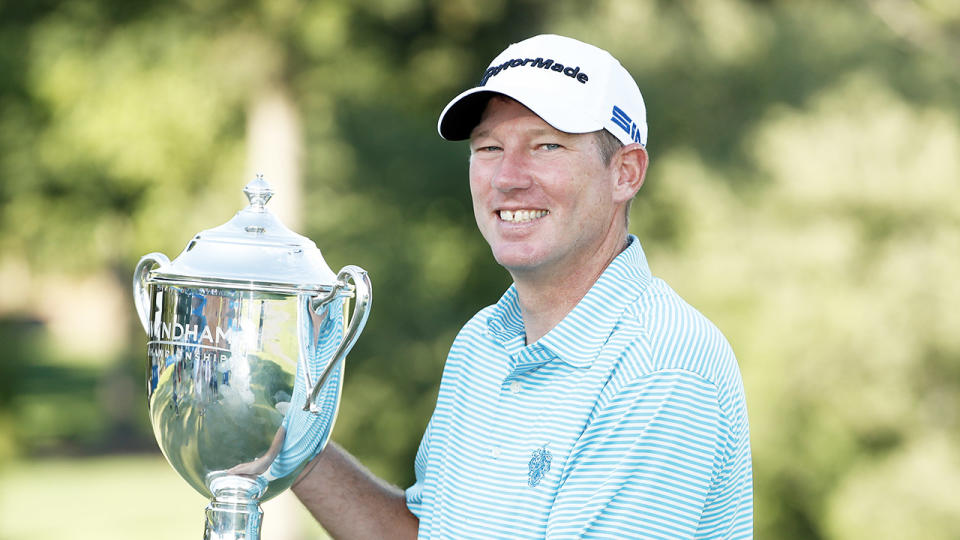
point(644, 465)
point(414, 493)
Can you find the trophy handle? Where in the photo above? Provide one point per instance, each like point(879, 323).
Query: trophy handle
point(361, 309)
point(141, 295)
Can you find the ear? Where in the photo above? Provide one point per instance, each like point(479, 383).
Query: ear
point(630, 167)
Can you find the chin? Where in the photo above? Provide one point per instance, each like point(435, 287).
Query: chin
point(512, 258)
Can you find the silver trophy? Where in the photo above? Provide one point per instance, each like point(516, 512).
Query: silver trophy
point(247, 333)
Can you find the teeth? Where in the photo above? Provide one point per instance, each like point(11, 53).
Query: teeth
point(522, 216)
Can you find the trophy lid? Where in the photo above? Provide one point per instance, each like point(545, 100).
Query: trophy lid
point(253, 250)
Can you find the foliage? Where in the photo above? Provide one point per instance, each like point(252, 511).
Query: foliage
point(803, 194)
point(105, 497)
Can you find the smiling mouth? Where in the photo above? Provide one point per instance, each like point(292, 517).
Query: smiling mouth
point(521, 216)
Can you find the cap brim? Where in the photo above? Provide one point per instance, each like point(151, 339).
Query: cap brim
point(463, 114)
point(465, 111)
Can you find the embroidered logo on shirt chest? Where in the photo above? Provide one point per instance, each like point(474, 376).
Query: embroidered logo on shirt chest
point(539, 465)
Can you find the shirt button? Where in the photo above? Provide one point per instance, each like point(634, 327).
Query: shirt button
point(515, 387)
point(495, 452)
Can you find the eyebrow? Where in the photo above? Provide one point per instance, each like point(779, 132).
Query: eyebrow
point(479, 134)
point(536, 132)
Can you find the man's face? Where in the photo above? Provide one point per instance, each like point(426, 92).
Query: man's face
point(542, 198)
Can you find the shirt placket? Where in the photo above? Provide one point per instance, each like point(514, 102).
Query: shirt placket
point(515, 408)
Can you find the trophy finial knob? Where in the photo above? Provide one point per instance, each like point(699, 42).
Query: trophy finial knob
point(258, 192)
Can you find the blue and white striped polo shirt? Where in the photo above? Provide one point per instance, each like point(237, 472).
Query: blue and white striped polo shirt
point(626, 420)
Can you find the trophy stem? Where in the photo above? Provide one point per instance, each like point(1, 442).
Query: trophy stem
point(234, 513)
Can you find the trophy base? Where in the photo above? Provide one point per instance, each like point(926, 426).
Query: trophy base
point(234, 513)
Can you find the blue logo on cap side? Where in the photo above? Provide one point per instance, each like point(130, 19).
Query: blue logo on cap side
point(627, 124)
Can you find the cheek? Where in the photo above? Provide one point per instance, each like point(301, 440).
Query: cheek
point(589, 196)
point(476, 193)
point(476, 197)
point(475, 175)
point(480, 188)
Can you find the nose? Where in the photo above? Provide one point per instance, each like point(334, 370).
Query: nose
point(513, 173)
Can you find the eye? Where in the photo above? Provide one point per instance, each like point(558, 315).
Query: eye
point(550, 146)
point(488, 148)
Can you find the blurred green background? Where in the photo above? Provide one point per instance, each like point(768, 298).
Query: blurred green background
point(804, 193)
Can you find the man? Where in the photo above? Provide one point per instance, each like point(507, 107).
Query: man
point(590, 401)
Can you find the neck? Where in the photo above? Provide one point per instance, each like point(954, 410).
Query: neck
point(546, 298)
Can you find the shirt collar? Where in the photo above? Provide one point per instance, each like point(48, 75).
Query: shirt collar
point(577, 339)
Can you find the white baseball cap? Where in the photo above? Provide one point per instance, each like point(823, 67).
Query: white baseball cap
point(573, 86)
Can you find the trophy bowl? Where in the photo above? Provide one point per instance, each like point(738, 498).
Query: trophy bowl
point(247, 331)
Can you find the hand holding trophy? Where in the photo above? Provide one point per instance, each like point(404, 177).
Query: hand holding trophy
point(248, 328)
